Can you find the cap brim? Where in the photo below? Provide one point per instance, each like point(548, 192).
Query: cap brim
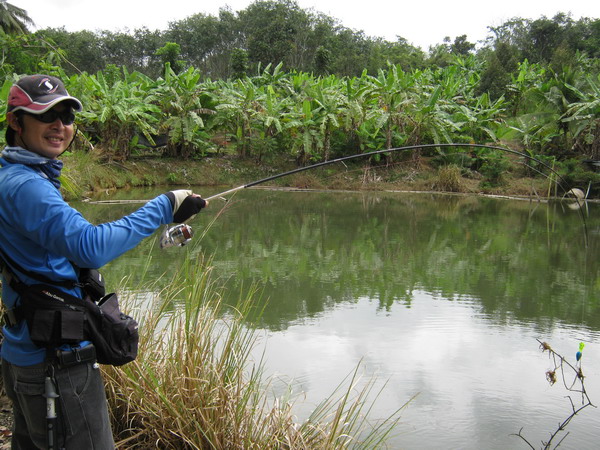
point(43, 104)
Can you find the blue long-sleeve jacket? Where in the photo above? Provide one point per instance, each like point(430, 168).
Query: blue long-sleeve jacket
point(42, 234)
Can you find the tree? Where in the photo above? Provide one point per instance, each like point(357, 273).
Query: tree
point(583, 115)
point(147, 42)
point(394, 90)
point(399, 52)
point(514, 32)
point(239, 63)
point(351, 52)
point(27, 53)
point(236, 109)
point(322, 61)
point(83, 49)
point(120, 49)
point(440, 55)
point(545, 35)
point(169, 54)
point(501, 63)
point(586, 35)
point(13, 20)
point(331, 105)
point(461, 46)
point(273, 30)
point(207, 41)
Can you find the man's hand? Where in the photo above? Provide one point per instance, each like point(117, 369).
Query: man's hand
point(186, 204)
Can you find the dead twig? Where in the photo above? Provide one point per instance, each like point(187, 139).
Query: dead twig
point(577, 386)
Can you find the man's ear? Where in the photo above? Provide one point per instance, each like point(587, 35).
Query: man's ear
point(13, 122)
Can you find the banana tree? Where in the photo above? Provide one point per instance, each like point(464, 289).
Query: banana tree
point(583, 117)
point(272, 117)
point(330, 106)
point(114, 113)
point(394, 92)
point(356, 113)
point(180, 98)
point(236, 108)
point(304, 131)
point(479, 122)
point(543, 107)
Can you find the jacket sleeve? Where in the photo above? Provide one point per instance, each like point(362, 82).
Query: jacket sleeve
point(53, 224)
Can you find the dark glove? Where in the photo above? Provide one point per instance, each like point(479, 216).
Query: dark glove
point(185, 204)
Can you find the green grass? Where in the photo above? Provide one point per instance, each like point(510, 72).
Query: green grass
point(195, 384)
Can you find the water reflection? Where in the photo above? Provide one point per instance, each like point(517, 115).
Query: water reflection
point(442, 295)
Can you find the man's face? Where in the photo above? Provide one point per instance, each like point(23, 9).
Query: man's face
point(45, 139)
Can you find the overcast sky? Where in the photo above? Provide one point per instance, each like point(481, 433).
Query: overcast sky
point(422, 23)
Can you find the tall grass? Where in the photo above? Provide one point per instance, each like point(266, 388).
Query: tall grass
point(196, 386)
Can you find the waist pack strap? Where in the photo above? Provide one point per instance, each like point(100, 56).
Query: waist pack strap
point(90, 280)
point(13, 316)
point(8, 265)
point(16, 314)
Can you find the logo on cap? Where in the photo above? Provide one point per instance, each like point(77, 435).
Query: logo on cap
point(50, 88)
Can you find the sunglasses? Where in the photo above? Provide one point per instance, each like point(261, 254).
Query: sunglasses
point(66, 117)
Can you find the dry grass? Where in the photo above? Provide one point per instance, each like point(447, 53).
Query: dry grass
point(195, 386)
point(449, 179)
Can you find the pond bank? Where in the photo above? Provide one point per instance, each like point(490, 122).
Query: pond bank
point(86, 175)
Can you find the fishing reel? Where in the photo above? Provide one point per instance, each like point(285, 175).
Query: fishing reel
point(178, 235)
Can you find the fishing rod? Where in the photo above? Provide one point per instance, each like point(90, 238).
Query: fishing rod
point(379, 152)
point(181, 234)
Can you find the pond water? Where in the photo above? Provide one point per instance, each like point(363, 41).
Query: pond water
point(440, 297)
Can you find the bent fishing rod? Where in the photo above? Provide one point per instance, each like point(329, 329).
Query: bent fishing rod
point(181, 234)
point(389, 150)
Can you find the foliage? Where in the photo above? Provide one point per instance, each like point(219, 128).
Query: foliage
point(26, 53)
point(84, 49)
point(169, 54)
point(583, 116)
point(116, 111)
point(239, 63)
point(269, 31)
point(179, 97)
point(455, 95)
point(493, 167)
point(13, 20)
point(274, 29)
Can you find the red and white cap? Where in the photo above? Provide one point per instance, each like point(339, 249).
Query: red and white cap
point(36, 94)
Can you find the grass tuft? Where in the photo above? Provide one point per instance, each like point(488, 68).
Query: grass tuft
point(449, 179)
point(195, 385)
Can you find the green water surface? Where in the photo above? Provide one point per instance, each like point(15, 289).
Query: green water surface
point(440, 296)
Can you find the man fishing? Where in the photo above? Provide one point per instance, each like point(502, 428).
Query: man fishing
point(42, 237)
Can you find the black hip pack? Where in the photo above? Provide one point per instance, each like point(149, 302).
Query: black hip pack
point(55, 318)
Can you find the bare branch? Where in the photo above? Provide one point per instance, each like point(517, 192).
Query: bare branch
point(578, 386)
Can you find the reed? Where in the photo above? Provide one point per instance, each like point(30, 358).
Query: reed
point(195, 384)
